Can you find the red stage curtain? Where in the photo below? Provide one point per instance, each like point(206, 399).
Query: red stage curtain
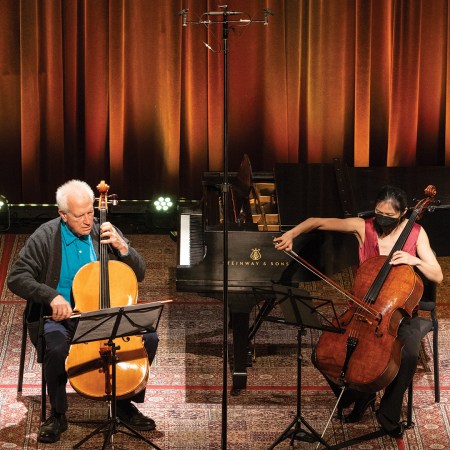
point(119, 90)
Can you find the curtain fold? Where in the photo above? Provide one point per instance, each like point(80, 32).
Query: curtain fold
point(120, 90)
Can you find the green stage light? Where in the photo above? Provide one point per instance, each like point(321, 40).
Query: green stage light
point(162, 214)
point(163, 204)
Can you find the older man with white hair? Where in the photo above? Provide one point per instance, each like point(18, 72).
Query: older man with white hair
point(43, 275)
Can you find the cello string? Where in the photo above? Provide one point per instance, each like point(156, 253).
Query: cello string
point(377, 284)
point(104, 272)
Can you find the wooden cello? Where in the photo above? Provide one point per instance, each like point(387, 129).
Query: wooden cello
point(99, 285)
point(366, 357)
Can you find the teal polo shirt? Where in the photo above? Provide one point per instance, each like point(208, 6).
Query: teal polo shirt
point(76, 252)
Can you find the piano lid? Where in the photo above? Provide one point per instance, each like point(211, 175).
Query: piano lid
point(312, 190)
point(306, 190)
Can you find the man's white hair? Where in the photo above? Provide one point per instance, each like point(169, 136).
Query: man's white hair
point(76, 187)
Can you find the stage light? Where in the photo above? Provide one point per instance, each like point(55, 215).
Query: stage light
point(163, 204)
point(163, 213)
point(4, 213)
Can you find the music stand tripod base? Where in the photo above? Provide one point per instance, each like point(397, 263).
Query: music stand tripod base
point(295, 432)
point(109, 428)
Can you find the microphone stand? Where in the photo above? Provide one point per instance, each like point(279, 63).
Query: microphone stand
point(223, 18)
point(225, 197)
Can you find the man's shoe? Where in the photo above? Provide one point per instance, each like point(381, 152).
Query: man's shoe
point(52, 428)
point(130, 415)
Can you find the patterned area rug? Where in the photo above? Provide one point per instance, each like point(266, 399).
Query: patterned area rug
point(184, 391)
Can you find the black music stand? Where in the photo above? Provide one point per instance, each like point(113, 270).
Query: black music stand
point(301, 311)
point(110, 324)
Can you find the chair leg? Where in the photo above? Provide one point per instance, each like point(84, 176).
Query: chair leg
point(437, 390)
point(43, 395)
point(22, 355)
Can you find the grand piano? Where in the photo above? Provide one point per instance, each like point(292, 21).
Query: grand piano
point(263, 205)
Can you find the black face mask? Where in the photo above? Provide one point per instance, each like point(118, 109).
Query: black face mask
point(387, 223)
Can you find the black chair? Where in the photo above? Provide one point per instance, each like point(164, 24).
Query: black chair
point(23, 349)
point(40, 355)
point(428, 304)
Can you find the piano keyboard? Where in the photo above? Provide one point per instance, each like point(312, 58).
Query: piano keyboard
point(190, 238)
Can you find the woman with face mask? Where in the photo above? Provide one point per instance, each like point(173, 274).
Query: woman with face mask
point(377, 236)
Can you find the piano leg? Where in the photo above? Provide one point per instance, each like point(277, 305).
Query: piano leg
point(240, 307)
point(240, 323)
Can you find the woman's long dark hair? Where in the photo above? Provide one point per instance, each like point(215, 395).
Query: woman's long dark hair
point(397, 198)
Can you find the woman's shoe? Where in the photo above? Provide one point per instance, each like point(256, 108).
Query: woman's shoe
point(340, 410)
point(393, 429)
point(345, 402)
point(360, 408)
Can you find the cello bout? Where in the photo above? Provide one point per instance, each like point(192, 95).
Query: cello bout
point(90, 375)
